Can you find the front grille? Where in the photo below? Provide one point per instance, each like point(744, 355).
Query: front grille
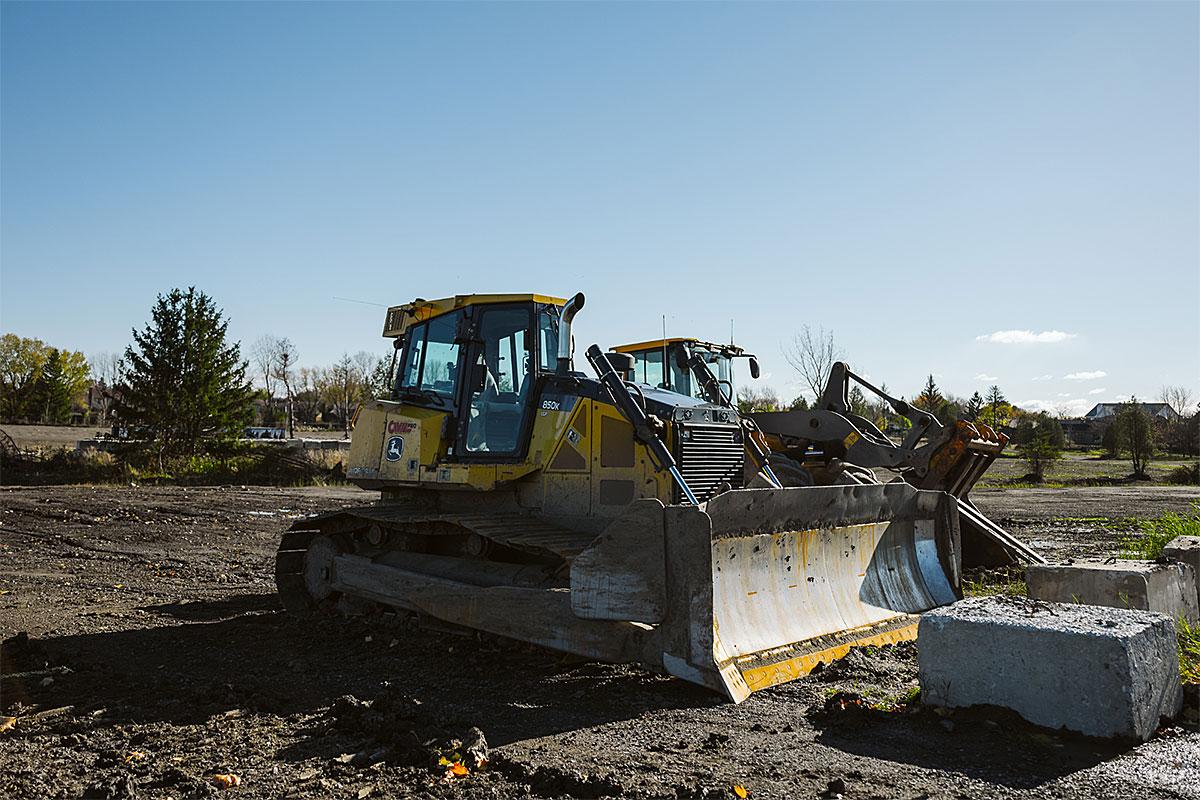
point(708, 456)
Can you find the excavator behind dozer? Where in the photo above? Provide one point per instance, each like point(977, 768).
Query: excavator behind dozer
point(602, 517)
point(830, 444)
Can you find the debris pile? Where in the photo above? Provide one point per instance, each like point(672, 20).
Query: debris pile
point(409, 732)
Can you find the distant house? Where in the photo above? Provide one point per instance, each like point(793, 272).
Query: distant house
point(1107, 410)
point(1089, 429)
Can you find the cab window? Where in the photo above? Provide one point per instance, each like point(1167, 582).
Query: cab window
point(548, 338)
point(649, 367)
point(431, 357)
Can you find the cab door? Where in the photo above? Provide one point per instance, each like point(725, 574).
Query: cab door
point(501, 371)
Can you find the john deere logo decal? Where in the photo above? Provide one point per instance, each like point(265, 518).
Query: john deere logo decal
point(394, 449)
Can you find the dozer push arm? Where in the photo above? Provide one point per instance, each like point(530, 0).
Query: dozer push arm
point(619, 391)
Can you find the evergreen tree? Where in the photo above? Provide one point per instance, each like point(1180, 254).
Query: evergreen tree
point(974, 407)
point(995, 399)
point(54, 390)
point(930, 398)
point(858, 402)
point(184, 383)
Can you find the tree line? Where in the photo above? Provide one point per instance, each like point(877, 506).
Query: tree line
point(181, 381)
point(1038, 436)
point(40, 383)
point(308, 395)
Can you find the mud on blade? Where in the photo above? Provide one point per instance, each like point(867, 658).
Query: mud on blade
point(775, 581)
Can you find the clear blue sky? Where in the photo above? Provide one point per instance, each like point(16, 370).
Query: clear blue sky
point(911, 176)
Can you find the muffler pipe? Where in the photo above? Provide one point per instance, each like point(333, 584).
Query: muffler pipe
point(564, 332)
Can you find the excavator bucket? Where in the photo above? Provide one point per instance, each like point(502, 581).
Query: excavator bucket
point(757, 587)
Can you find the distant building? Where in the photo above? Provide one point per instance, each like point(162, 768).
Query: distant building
point(1107, 410)
point(1089, 429)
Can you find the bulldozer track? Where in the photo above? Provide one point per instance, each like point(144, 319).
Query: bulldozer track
point(520, 531)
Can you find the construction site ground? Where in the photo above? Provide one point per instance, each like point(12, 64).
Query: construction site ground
point(145, 652)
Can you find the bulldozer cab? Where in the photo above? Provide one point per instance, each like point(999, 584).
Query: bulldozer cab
point(480, 362)
point(662, 363)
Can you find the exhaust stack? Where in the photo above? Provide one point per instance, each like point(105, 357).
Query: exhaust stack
point(564, 332)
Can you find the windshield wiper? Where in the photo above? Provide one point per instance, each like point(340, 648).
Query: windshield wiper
point(415, 393)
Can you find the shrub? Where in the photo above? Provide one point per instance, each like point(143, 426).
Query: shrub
point(1185, 475)
point(1040, 441)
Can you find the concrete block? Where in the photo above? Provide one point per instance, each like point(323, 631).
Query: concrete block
point(1099, 671)
point(1187, 550)
point(1168, 588)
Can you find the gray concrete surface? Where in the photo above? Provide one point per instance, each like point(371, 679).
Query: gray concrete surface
point(1168, 588)
point(1099, 671)
point(1187, 550)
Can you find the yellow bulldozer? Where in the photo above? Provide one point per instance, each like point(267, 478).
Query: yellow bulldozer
point(603, 516)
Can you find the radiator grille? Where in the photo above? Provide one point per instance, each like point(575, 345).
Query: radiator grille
point(708, 456)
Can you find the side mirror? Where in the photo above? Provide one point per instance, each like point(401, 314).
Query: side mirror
point(754, 370)
point(622, 363)
point(681, 356)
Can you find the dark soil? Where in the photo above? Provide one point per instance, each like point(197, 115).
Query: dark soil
point(155, 657)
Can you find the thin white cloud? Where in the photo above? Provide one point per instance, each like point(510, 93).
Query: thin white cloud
point(1043, 378)
point(1061, 408)
point(1025, 337)
point(1085, 376)
point(1064, 394)
point(983, 376)
point(1097, 391)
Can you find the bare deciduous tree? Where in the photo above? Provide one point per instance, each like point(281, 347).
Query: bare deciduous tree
point(1178, 398)
point(284, 370)
point(812, 353)
point(307, 394)
point(340, 386)
point(757, 399)
point(262, 355)
point(105, 371)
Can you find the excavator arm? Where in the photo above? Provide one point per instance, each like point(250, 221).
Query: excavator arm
point(948, 458)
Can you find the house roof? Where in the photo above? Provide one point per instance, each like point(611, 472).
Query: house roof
point(1111, 409)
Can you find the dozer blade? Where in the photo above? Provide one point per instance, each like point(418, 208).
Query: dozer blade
point(772, 582)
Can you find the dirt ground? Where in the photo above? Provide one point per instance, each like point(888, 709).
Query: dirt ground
point(155, 656)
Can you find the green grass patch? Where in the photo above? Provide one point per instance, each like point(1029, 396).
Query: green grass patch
point(1007, 581)
point(1107, 523)
point(1188, 638)
point(1155, 534)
